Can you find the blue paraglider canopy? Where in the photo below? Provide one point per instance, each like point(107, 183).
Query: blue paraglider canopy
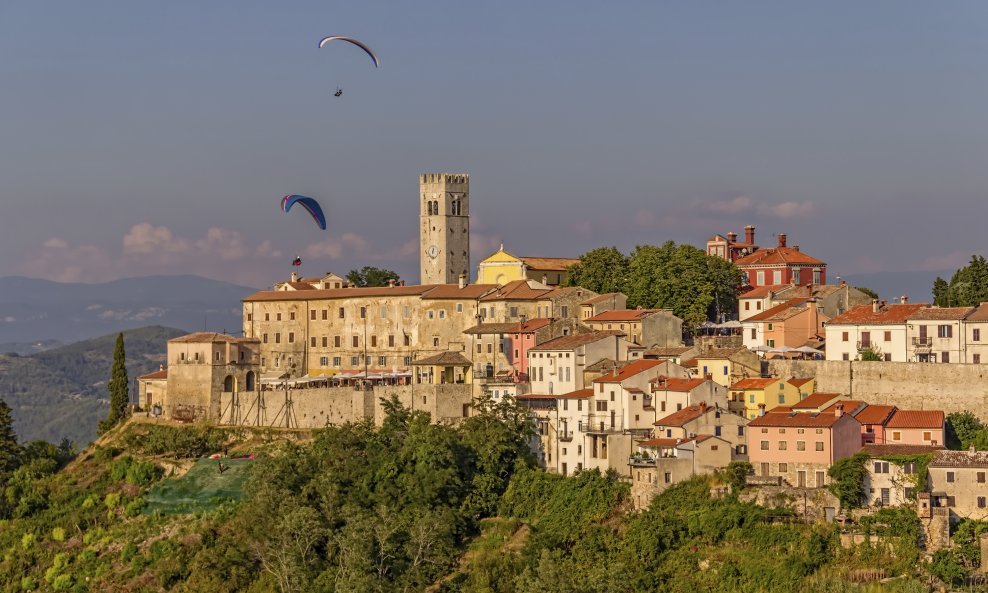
point(311, 206)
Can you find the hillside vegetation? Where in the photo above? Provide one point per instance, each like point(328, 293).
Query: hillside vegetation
point(408, 506)
point(61, 393)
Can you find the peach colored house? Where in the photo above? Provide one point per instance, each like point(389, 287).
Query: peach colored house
point(801, 447)
point(915, 427)
point(873, 419)
point(792, 323)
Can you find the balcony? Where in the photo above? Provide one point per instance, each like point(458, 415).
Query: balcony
point(642, 461)
point(601, 425)
point(565, 435)
point(923, 345)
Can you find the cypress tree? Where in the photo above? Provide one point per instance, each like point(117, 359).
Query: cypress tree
point(10, 451)
point(118, 388)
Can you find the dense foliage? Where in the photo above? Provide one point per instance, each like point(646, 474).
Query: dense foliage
point(847, 479)
point(118, 388)
point(968, 287)
point(695, 286)
point(965, 430)
point(369, 276)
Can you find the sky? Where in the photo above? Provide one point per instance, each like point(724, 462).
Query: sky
point(158, 138)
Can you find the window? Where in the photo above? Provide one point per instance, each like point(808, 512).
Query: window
point(267, 317)
point(777, 277)
point(740, 431)
point(782, 445)
point(435, 341)
point(250, 317)
point(490, 348)
point(278, 316)
point(337, 341)
point(406, 311)
point(431, 314)
point(753, 332)
point(975, 334)
point(565, 311)
point(337, 361)
point(312, 342)
point(888, 336)
point(783, 468)
point(291, 337)
point(981, 502)
point(770, 327)
point(782, 398)
point(819, 445)
point(353, 361)
point(927, 436)
point(325, 341)
point(601, 406)
point(909, 468)
point(312, 314)
point(950, 477)
point(408, 360)
point(668, 477)
point(716, 430)
point(981, 477)
point(760, 278)
point(845, 356)
point(887, 356)
point(391, 341)
point(751, 398)
point(277, 338)
point(976, 359)
point(408, 340)
point(342, 313)
point(363, 312)
point(355, 341)
point(795, 276)
point(514, 312)
point(442, 314)
point(323, 361)
point(844, 336)
point(264, 338)
point(373, 341)
point(881, 467)
point(325, 314)
point(945, 357)
point(291, 316)
point(459, 307)
point(865, 339)
point(382, 361)
point(764, 445)
point(945, 331)
point(800, 445)
point(896, 436)
point(384, 311)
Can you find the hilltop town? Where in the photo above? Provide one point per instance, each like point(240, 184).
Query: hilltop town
point(808, 375)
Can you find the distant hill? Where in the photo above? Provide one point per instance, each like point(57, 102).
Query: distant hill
point(61, 393)
point(918, 286)
point(33, 310)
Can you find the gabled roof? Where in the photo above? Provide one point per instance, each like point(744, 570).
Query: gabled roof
point(575, 340)
point(518, 290)
point(549, 264)
point(679, 384)
point(687, 414)
point(873, 450)
point(916, 419)
point(626, 315)
point(795, 382)
point(980, 313)
point(578, 394)
point(509, 328)
point(719, 353)
point(606, 365)
point(760, 292)
point(628, 371)
point(815, 400)
point(453, 291)
point(668, 350)
point(600, 298)
point(443, 359)
point(875, 414)
point(777, 255)
point(941, 313)
point(211, 338)
point(754, 383)
point(773, 312)
point(851, 406)
point(162, 374)
point(887, 314)
point(959, 459)
point(798, 419)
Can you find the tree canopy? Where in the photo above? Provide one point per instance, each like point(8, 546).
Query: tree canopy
point(118, 387)
point(695, 286)
point(968, 286)
point(369, 276)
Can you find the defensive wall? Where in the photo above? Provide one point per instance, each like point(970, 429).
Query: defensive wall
point(908, 385)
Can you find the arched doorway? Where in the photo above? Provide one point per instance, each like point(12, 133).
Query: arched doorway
point(229, 384)
point(249, 380)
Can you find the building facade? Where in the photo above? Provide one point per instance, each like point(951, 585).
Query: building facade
point(444, 228)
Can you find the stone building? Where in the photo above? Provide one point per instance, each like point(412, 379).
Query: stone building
point(645, 327)
point(502, 267)
point(701, 419)
point(660, 463)
point(444, 231)
point(959, 479)
point(889, 480)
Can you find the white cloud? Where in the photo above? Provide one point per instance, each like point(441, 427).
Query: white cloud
point(789, 210)
point(746, 205)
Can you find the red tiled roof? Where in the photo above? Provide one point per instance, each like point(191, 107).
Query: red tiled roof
point(162, 374)
point(517, 290)
point(874, 450)
point(302, 285)
point(509, 328)
point(212, 338)
point(851, 406)
point(669, 350)
point(959, 459)
point(679, 384)
point(795, 382)
point(553, 264)
point(980, 313)
point(760, 292)
point(874, 414)
point(575, 340)
point(815, 400)
point(941, 313)
point(443, 358)
point(578, 394)
point(754, 383)
point(777, 255)
point(865, 315)
point(628, 371)
point(798, 419)
point(453, 291)
point(916, 419)
point(687, 414)
point(627, 315)
point(662, 442)
point(768, 314)
point(600, 298)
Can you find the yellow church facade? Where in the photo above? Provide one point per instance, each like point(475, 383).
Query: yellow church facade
point(502, 267)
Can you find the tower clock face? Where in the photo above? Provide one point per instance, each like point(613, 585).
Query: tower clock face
point(433, 251)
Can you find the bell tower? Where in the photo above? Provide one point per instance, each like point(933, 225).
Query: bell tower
point(444, 227)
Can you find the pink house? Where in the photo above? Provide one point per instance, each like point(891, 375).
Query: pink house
point(915, 427)
point(873, 419)
point(801, 447)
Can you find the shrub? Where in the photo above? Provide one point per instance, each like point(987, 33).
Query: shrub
point(58, 534)
point(28, 584)
point(112, 500)
point(63, 582)
point(27, 540)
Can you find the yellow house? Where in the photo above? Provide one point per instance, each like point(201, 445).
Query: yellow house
point(727, 366)
point(502, 267)
point(806, 387)
point(759, 394)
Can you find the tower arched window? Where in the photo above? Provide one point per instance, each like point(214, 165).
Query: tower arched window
point(435, 207)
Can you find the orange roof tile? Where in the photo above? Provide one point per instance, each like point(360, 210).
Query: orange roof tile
point(866, 315)
point(916, 419)
point(980, 313)
point(777, 255)
point(679, 384)
point(626, 315)
point(552, 264)
point(760, 292)
point(600, 298)
point(851, 406)
point(771, 313)
point(162, 374)
point(578, 394)
point(796, 382)
point(516, 290)
point(874, 414)
point(941, 313)
point(628, 371)
point(798, 419)
point(509, 328)
point(815, 400)
point(575, 340)
point(687, 414)
point(754, 383)
point(874, 450)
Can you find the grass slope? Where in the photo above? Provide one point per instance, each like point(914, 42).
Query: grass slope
point(202, 488)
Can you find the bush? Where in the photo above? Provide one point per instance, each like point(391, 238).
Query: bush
point(27, 540)
point(112, 500)
point(63, 582)
point(58, 534)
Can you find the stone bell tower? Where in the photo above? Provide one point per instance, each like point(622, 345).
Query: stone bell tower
point(444, 227)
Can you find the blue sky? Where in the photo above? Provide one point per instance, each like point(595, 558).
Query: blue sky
point(142, 138)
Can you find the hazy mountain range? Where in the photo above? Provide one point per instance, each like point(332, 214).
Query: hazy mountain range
point(918, 286)
point(33, 310)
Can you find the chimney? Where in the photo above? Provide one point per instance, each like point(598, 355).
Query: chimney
point(843, 282)
point(874, 305)
point(749, 234)
point(904, 299)
point(795, 247)
point(294, 277)
point(401, 283)
point(161, 367)
point(839, 410)
point(463, 280)
point(761, 409)
point(391, 282)
point(545, 279)
point(732, 237)
point(782, 239)
point(703, 407)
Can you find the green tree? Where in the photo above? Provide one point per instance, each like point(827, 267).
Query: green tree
point(369, 277)
point(601, 270)
point(736, 475)
point(940, 292)
point(871, 353)
point(118, 388)
point(848, 478)
point(871, 293)
point(963, 429)
point(10, 451)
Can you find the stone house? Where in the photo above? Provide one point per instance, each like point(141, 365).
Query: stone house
point(879, 326)
point(659, 463)
point(673, 393)
point(890, 482)
point(645, 327)
point(611, 301)
point(706, 419)
point(557, 366)
point(727, 366)
point(958, 478)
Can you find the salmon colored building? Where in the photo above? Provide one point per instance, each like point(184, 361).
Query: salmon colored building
point(915, 427)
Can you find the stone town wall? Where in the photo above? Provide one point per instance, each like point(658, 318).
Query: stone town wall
point(909, 385)
point(812, 504)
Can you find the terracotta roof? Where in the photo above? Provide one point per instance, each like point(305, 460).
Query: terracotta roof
point(672, 442)
point(795, 382)
point(627, 315)
point(916, 419)
point(212, 338)
point(162, 374)
point(851, 406)
point(453, 291)
point(777, 255)
point(883, 450)
point(669, 350)
point(980, 313)
point(628, 371)
point(946, 458)
point(874, 414)
point(516, 290)
point(679, 384)
point(509, 328)
point(443, 358)
point(754, 383)
point(687, 414)
point(865, 315)
point(536, 396)
point(339, 293)
point(760, 292)
point(302, 285)
point(600, 298)
point(559, 291)
point(770, 314)
point(815, 400)
point(578, 394)
point(575, 340)
point(719, 353)
point(553, 264)
point(689, 363)
point(798, 419)
point(606, 365)
point(941, 313)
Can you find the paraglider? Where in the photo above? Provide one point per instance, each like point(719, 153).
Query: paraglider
point(361, 45)
point(297, 261)
point(311, 206)
point(338, 93)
